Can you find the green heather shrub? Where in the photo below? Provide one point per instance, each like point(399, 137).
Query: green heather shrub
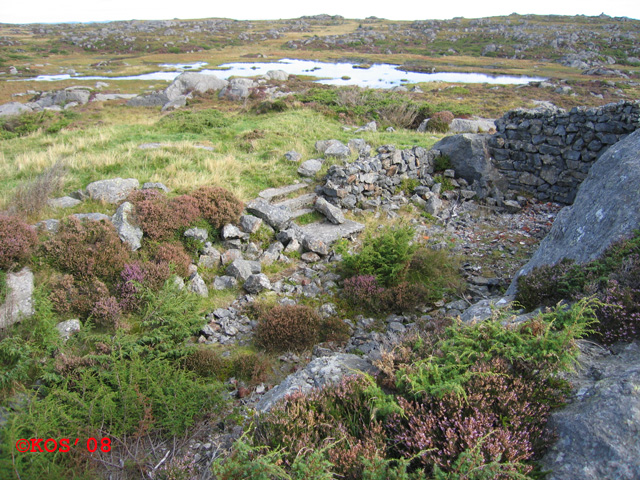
point(614, 279)
point(21, 125)
point(437, 271)
point(385, 256)
point(17, 239)
point(288, 327)
point(87, 249)
point(218, 206)
point(442, 163)
point(251, 367)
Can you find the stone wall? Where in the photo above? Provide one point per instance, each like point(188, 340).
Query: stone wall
point(548, 153)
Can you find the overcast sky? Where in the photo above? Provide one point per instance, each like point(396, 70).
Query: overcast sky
point(37, 11)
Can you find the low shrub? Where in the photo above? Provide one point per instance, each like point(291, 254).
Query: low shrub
point(363, 291)
point(442, 163)
point(175, 255)
point(87, 249)
point(218, 206)
point(288, 327)
point(440, 122)
point(69, 295)
point(107, 312)
point(385, 256)
point(30, 198)
point(340, 419)
point(438, 271)
point(198, 122)
point(17, 239)
point(153, 213)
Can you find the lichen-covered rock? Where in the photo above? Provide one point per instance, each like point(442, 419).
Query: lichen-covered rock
point(113, 190)
point(256, 283)
point(129, 233)
point(320, 372)
point(18, 303)
point(68, 328)
point(597, 432)
point(277, 217)
point(333, 213)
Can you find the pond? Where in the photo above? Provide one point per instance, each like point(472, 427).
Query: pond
point(374, 76)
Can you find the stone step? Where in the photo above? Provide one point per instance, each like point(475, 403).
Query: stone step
point(271, 194)
point(303, 201)
point(301, 211)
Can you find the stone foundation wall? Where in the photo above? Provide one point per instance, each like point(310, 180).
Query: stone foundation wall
point(549, 153)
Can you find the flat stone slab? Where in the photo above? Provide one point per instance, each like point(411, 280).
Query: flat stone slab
point(293, 204)
point(277, 217)
point(271, 194)
point(318, 237)
point(63, 202)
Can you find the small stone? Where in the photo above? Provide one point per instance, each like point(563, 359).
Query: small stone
point(310, 257)
point(333, 213)
point(128, 233)
point(249, 223)
point(310, 168)
point(199, 234)
point(156, 186)
point(231, 255)
point(113, 190)
point(257, 283)
point(239, 269)
point(292, 156)
point(197, 286)
point(231, 231)
point(209, 261)
point(68, 328)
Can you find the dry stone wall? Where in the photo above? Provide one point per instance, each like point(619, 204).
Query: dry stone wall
point(548, 153)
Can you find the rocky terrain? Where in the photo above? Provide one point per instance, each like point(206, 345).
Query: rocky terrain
point(212, 334)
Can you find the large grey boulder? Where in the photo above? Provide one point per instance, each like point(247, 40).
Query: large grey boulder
point(320, 372)
point(604, 211)
point(18, 303)
point(470, 158)
point(113, 190)
point(13, 108)
point(597, 432)
point(257, 283)
point(128, 233)
point(237, 89)
point(333, 148)
point(277, 217)
point(310, 167)
point(193, 82)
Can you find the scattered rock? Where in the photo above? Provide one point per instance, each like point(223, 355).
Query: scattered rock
point(63, 202)
point(293, 156)
point(239, 269)
point(320, 372)
point(129, 234)
point(14, 108)
point(114, 190)
point(310, 168)
point(333, 213)
point(249, 223)
point(68, 328)
point(257, 283)
point(18, 302)
point(92, 217)
point(277, 217)
point(155, 185)
point(197, 286)
point(199, 234)
point(224, 282)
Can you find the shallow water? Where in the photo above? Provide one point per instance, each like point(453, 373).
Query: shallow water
point(377, 76)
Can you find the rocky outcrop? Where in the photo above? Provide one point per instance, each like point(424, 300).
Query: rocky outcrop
point(320, 372)
point(597, 432)
point(18, 303)
point(237, 89)
point(176, 94)
point(605, 210)
point(128, 232)
point(14, 108)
